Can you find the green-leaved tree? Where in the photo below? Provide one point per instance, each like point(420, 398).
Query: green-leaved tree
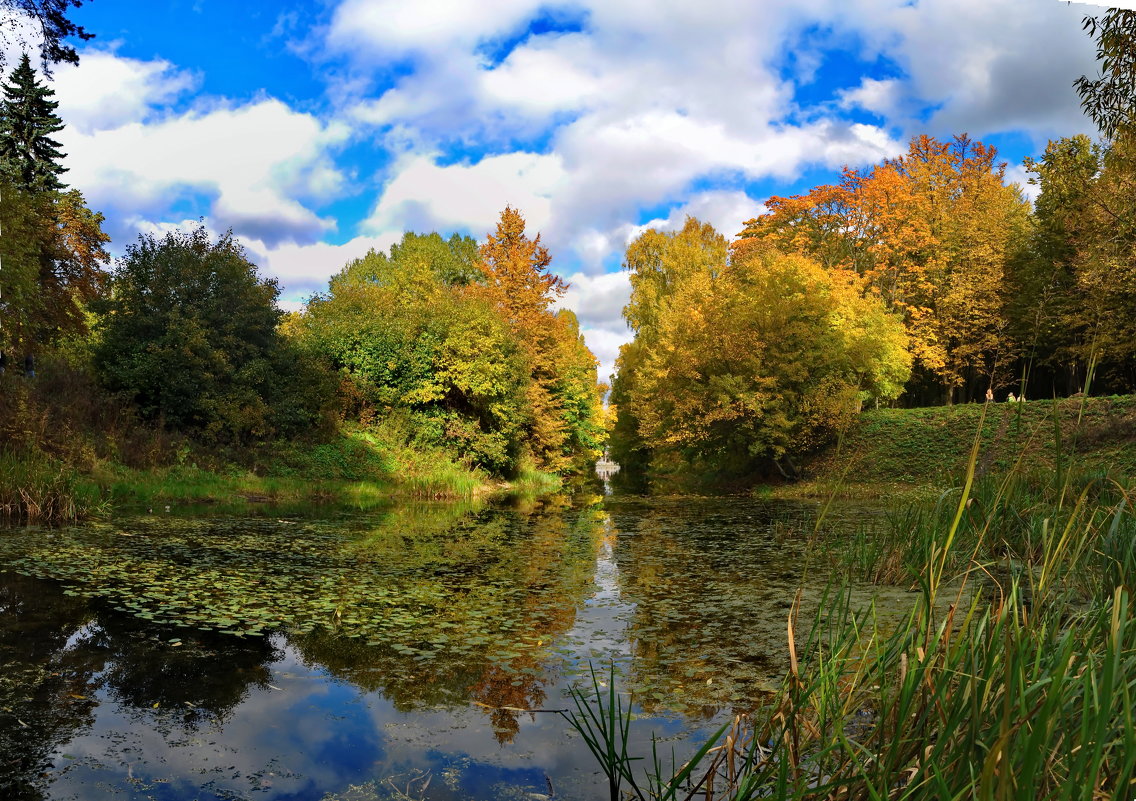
point(189, 334)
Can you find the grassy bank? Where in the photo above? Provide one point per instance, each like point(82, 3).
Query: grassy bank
point(916, 452)
point(358, 468)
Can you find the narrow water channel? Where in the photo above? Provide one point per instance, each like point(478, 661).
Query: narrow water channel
point(385, 655)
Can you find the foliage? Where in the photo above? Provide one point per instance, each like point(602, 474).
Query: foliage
point(49, 20)
point(561, 390)
point(1110, 100)
point(469, 349)
point(931, 233)
point(29, 157)
point(53, 244)
point(761, 357)
point(188, 334)
point(410, 339)
point(1078, 270)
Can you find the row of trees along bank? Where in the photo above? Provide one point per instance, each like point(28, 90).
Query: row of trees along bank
point(924, 279)
point(458, 343)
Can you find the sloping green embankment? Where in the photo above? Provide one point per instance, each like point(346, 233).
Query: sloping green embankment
point(930, 447)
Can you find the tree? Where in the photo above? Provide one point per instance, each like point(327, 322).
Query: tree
point(53, 257)
point(755, 359)
point(763, 361)
point(60, 241)
point(1110, 99)
point(931, 232)
point(49, 18)
point(659, 263)
point(451, 262)
point(517, 282)
point(413, 338)
point(28, 155)
point(189, 334)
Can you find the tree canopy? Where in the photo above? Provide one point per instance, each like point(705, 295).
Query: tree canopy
point(931, 233)
point(188, 332)
point(746, 360)
point(51, 26)
point(464, 342)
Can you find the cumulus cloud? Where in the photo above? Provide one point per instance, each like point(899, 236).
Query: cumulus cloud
point(252, 165)
point(109, 91)
point(984, 66)
point(305, 269)
point(598, 300)
point(424, 196)
point(725, 210)
point(388, 29)
point(604, 345)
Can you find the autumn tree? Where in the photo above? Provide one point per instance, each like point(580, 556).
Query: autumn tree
point(53, 244)
point(414, 340)
point(931, 233)
point(658, 263)
point(519, 284)
point(751, 360)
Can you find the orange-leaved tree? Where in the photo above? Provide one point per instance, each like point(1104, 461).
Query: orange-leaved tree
point(931, 232)
point(517, 281)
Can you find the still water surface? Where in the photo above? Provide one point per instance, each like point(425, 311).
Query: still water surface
point(382, 655)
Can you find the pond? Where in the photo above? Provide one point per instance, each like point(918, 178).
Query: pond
point(385, 655)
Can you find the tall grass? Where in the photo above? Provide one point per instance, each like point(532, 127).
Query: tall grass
point(1013, 675)
point(36, 489)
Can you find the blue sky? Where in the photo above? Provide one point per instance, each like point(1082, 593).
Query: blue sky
point(317, 130)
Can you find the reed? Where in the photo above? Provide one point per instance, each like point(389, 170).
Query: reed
point(1012, 677)
point(36, 489)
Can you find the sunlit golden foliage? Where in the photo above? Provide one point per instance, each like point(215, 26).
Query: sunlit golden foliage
point(930, 232)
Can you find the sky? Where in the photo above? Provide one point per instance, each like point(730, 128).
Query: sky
point(318, 130)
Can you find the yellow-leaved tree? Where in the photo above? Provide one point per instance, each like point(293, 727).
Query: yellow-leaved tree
point(565, 425)
point(744, 362)
point(932, 233)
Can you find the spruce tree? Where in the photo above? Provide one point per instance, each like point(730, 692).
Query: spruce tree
point(29, 157)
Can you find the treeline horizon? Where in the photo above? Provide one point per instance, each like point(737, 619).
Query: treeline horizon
point(456, 343)
point(924, 279)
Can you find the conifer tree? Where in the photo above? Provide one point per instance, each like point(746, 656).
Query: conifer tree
point(29, 157)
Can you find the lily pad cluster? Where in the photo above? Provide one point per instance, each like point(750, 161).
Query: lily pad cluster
point(466, 593)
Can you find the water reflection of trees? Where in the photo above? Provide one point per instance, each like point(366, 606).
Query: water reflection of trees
point(711, 581)
point(205, 677)
point(507, 581)
point(46, 685)
point(60, 652)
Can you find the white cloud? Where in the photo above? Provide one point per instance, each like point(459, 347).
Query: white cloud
point(109, 91)
point(725, 210)
point(986, 66)
point(305, 269)
point(424, 196)
point(604, 345)
point(255, 163)
point(388, 29)
point(877, 96)
point(598, 300)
